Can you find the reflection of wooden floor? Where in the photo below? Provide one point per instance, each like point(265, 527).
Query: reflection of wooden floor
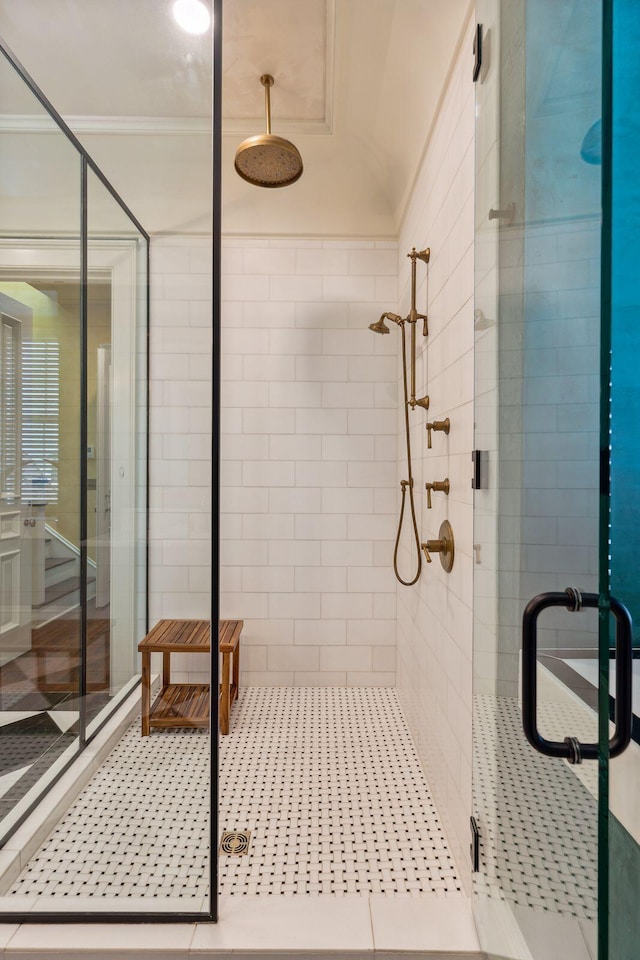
point(40, 700)
point(56, 648)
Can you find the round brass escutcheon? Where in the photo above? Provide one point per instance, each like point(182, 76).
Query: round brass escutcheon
point(447, 554)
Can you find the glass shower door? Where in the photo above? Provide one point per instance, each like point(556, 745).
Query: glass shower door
point(622, 219)
point(543, 830)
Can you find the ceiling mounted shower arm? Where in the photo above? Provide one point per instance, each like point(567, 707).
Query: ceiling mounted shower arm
point(267, 82)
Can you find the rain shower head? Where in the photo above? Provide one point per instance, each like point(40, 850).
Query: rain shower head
point(380, 326)
point(267, 160)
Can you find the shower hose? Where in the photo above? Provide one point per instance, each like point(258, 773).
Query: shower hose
point(407, 483)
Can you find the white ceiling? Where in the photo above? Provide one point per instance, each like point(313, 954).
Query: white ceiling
point(293, 41)
point(357, 87)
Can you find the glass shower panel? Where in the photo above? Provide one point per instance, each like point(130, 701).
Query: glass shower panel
point(538, 206)
point(116, 466)
point(40, 296)
point(145, 813)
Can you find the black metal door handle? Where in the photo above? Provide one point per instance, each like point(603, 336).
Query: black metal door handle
point(570, 748)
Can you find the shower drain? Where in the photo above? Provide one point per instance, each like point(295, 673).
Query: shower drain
point(235, 843)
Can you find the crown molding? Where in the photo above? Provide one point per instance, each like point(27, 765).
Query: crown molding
point(152, 126)
point(165, 126)
point(188, 126)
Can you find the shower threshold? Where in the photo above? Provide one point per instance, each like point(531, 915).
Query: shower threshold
point(310, 928)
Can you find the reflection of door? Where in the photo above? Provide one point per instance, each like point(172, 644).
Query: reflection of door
point(103, 478)
point(15, 521)
point(119, 264)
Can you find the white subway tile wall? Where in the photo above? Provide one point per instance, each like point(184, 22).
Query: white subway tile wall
point(308, 441)
point(180, 434)
point(434, 649)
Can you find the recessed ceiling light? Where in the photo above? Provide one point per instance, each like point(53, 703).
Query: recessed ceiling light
point(192, 15)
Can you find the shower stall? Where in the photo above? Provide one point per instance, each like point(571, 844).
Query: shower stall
point(555, 829)
point(73, 448)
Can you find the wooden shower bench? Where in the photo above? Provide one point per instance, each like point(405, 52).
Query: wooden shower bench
point(187, 704)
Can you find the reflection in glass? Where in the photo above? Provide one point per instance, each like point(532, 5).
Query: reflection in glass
point(73, 472)
point(115, 466)
point(538, 418)
point(40, 635)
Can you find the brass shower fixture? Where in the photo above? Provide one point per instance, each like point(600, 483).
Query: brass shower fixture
point(380, 326)
point(268, 160)
point(441, 486)
point(444, 546)
point(410, 401)
point(438, 425)
point(414, 316)
point(425, 256)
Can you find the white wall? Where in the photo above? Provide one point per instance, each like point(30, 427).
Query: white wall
point(309, 451)
point(180, 434)
point(435, 617)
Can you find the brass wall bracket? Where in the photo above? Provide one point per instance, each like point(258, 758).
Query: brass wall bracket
point(444, 546)
point(440, 485)
point(424, 255)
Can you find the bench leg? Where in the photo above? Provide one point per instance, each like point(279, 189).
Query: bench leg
point(236, 672)
point(166, 669)
point(146, 692)
point(225, 704)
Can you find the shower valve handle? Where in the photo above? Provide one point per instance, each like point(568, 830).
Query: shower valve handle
point(442, 425)
point(442, 486)
point(444, 546)
point(425, 322)
point(434, 546)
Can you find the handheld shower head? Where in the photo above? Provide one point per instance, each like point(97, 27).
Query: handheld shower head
point(380, 325)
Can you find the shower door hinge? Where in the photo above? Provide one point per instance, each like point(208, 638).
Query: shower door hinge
point(477, 52)
point(478, 480)
point(605, 472)
point(474, 848)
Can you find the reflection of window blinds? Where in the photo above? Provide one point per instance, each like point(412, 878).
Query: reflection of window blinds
point(9, 428)
point(40, 419)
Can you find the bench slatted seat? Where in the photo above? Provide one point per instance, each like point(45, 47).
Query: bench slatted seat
point(187, 704)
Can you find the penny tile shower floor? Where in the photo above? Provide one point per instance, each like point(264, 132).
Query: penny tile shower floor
point(537, 815)
point(326, 779)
